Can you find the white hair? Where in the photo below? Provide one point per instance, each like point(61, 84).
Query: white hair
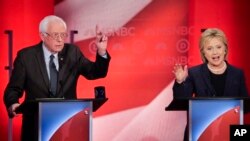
point(52, 18)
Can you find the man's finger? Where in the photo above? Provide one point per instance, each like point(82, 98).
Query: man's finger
point(97, 30)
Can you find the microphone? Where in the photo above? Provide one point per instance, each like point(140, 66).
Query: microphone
point(61, 58)
point(61, 61)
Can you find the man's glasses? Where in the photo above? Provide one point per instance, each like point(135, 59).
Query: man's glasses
point(56, 35)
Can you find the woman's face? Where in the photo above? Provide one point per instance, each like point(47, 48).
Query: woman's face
point(214, 51)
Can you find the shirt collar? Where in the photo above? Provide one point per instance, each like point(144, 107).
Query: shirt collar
point(47, 53)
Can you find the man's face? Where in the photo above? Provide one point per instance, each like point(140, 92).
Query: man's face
point(55, 37)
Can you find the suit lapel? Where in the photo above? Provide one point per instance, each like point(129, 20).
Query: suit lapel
point(62, 74)
point(41, 63)
point(228, 82)
point(206, 78)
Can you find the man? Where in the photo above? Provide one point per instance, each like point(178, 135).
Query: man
point(51, 69)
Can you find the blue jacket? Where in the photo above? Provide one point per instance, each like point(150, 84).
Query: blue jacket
point(198, 83)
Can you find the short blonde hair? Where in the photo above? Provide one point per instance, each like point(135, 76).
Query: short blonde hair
point(211, 33)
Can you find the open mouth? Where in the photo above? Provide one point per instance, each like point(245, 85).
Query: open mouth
point(216, 58)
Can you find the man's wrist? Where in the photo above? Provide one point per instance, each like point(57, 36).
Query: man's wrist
point(103, 54)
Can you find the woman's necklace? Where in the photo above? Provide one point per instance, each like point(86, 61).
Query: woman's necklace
point(219, 70)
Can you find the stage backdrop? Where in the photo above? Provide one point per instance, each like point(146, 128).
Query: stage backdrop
point(146, 38)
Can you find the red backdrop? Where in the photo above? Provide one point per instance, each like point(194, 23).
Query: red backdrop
point(22, 17)
point(141, 65)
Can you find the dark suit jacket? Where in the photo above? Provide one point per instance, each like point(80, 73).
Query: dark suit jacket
point(30, 76)
point(198, 83)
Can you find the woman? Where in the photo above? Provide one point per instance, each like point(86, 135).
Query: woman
point(215, 77)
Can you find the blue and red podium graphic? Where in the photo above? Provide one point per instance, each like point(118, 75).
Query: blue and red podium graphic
point(65, 121)
point(211, 119)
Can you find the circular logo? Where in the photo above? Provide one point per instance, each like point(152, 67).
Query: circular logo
point(92, 47)
point(182, 45)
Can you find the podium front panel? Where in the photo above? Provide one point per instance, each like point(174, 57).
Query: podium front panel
point(211, 119)
point(65, 121)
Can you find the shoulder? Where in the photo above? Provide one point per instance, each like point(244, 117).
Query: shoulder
point(70, 51)
point(234, 70)
point(198, 68)
point(70, 47)
point(30, 49)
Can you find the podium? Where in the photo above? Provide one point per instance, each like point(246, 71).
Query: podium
point(62, 119)
point(210, 118)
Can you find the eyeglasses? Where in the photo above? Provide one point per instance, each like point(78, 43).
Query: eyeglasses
point(56, 35)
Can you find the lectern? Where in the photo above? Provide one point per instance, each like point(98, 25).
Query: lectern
point(61, 119)
point(210, 118)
